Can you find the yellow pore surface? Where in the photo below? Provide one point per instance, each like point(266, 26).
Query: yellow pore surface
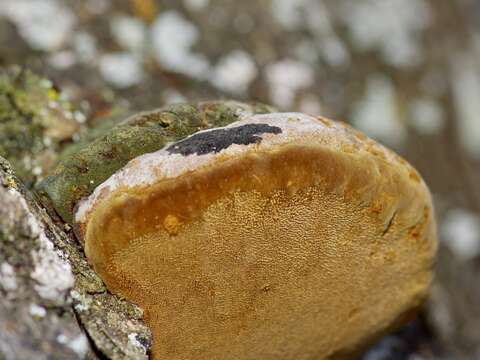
point(297, 253)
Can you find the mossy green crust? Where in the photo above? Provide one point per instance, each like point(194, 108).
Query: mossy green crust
point(78, 174)
point(34, 120)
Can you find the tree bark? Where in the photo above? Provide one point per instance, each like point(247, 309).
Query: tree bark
point(52, 305)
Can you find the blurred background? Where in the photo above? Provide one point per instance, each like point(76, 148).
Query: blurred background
point(406, 72)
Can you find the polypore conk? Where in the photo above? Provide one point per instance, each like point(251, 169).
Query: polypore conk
point(279, 236)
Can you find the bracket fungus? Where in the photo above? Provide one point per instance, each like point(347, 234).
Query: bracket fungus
point(278, 236)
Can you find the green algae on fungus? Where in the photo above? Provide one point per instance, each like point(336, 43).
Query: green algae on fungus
point(34, 120)
point(78, 174)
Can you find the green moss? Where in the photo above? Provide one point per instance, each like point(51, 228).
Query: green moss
point(34, 119)
point(80, 172)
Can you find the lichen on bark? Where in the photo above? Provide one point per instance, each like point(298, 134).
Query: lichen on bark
point(35, 119)
point(53, 305)
point(36, 319)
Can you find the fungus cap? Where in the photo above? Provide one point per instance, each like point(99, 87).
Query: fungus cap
point(279, 236)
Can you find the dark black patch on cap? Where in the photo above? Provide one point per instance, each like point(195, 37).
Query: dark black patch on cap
point(216, 140)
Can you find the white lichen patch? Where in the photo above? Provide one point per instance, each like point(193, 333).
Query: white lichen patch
point(79, 344)
point(81, 303)
point(234, 72)
point(122, 70)
point(45, 25)
point(393, 27)
point(132, 339)
point(161, 165)
point(461, 233)
point(85, 47)
point(377, 113)
point(173, 38)
point(426, 116)
point(329, 44)
point(334, 51)
point(52, 272)
point(8, 280)
point(62, 60)
point(37, 311)
point(129, 32)
point(286, 78)
point(466, 94)
point(313, 16)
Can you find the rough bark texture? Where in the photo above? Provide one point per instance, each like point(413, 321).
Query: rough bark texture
point(53, 305)
point(36, 317)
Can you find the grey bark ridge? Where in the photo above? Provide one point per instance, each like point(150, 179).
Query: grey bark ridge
point(52, 304)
